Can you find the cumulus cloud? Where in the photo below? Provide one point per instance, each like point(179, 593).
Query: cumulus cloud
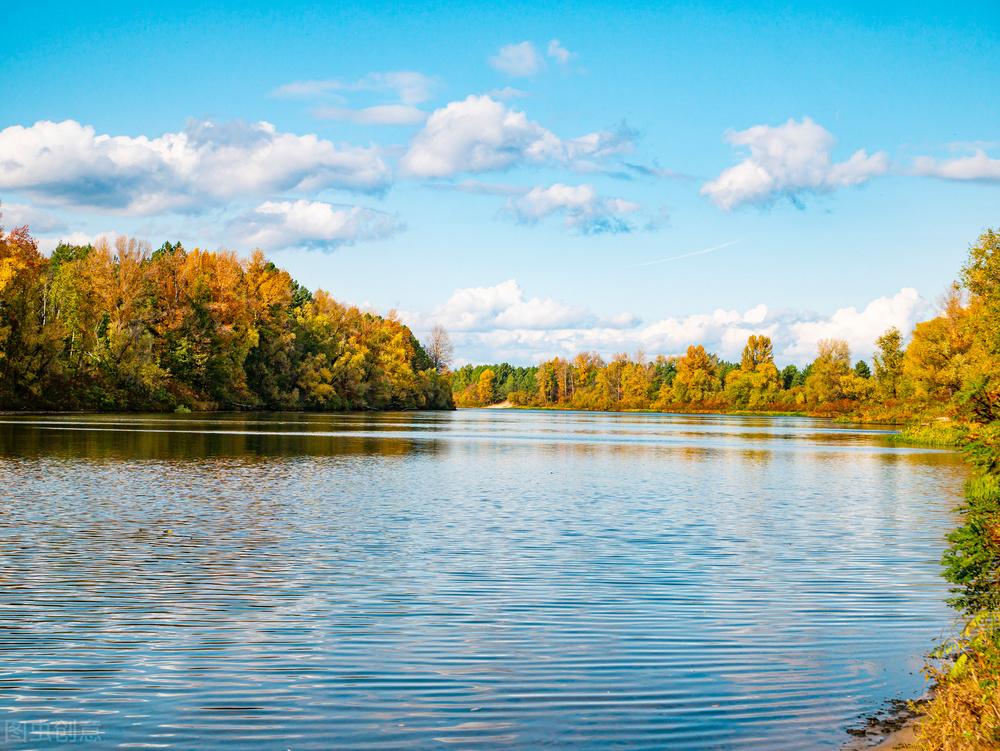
point(602, 144)
point(275, 225)
point(502, 306)
point(49, 242)
point(498, 323)
point(559, 53)
point(409, 86)
point(480, 134)
point(522, 60)
point(976, 166)
point(206, 163)
point(580, 206)
point(519, 60)
point(859, 328)
point(788, 160)
point(19, 214)
point(380, 114)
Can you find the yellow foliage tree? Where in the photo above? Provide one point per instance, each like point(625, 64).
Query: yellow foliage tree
point(636, 380)
point(756, 383)
point(484, 388)
point(825, 383)
point(939, 354)
point(697, 380)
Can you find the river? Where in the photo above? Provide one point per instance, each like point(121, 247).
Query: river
point(481, 578)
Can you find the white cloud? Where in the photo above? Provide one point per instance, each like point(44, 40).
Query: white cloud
point(601, 144)
point(502, 306)
point(206, 163)
point(788, 160)
point(518, 60)
point(580, 205)
point(498, 323)
point(313, 224)
point(380, 114)
point(480, 134)
point(976, 166)
point(619, 321)
point(48, 242)
point(860, 328)
point(17, 215)
point(408, 86)
point(559, 53)
point(539, 313)
point(476, 135)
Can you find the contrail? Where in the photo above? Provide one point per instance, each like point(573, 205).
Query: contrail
point(701, 252)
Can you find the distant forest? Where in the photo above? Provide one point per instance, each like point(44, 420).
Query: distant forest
point(944, 358)
point(698, 380)
point(121, 327)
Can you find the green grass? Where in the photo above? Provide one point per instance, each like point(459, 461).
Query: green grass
point(938, 434)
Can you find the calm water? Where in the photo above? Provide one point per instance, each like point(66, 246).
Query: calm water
point(472, 579)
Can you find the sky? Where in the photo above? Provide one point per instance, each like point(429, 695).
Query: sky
point(540, 179)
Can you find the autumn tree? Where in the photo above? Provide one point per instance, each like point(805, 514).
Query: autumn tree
point(271, 365)
point(981, 277)
point(547, 380)
point(439, 348)
point(484, 389)
point(758, 351)
point(756, 382)
point(609, 382)
point(636, 382)
point(825, 383)
point(696, 380)
point(114, 326)
point(888, 361)
point(586, 368)
point(28, 351)
point(938, 358)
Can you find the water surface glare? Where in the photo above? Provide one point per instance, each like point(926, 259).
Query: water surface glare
point(483, 578)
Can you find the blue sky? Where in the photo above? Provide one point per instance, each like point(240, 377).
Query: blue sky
point(521, 174)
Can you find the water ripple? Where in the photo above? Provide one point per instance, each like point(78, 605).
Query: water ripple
point(472, 579)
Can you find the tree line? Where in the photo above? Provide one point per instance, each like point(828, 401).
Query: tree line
point(901, 381)
point(120, 327)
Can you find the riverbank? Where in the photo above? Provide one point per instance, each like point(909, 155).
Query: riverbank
point(501, 405)
point(685, 411)
point(892, 730)
point(899, 740)
point(185, 411)
point(853, 417)
point(964, 712)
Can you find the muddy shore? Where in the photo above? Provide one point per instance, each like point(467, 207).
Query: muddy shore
point(889, 730)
